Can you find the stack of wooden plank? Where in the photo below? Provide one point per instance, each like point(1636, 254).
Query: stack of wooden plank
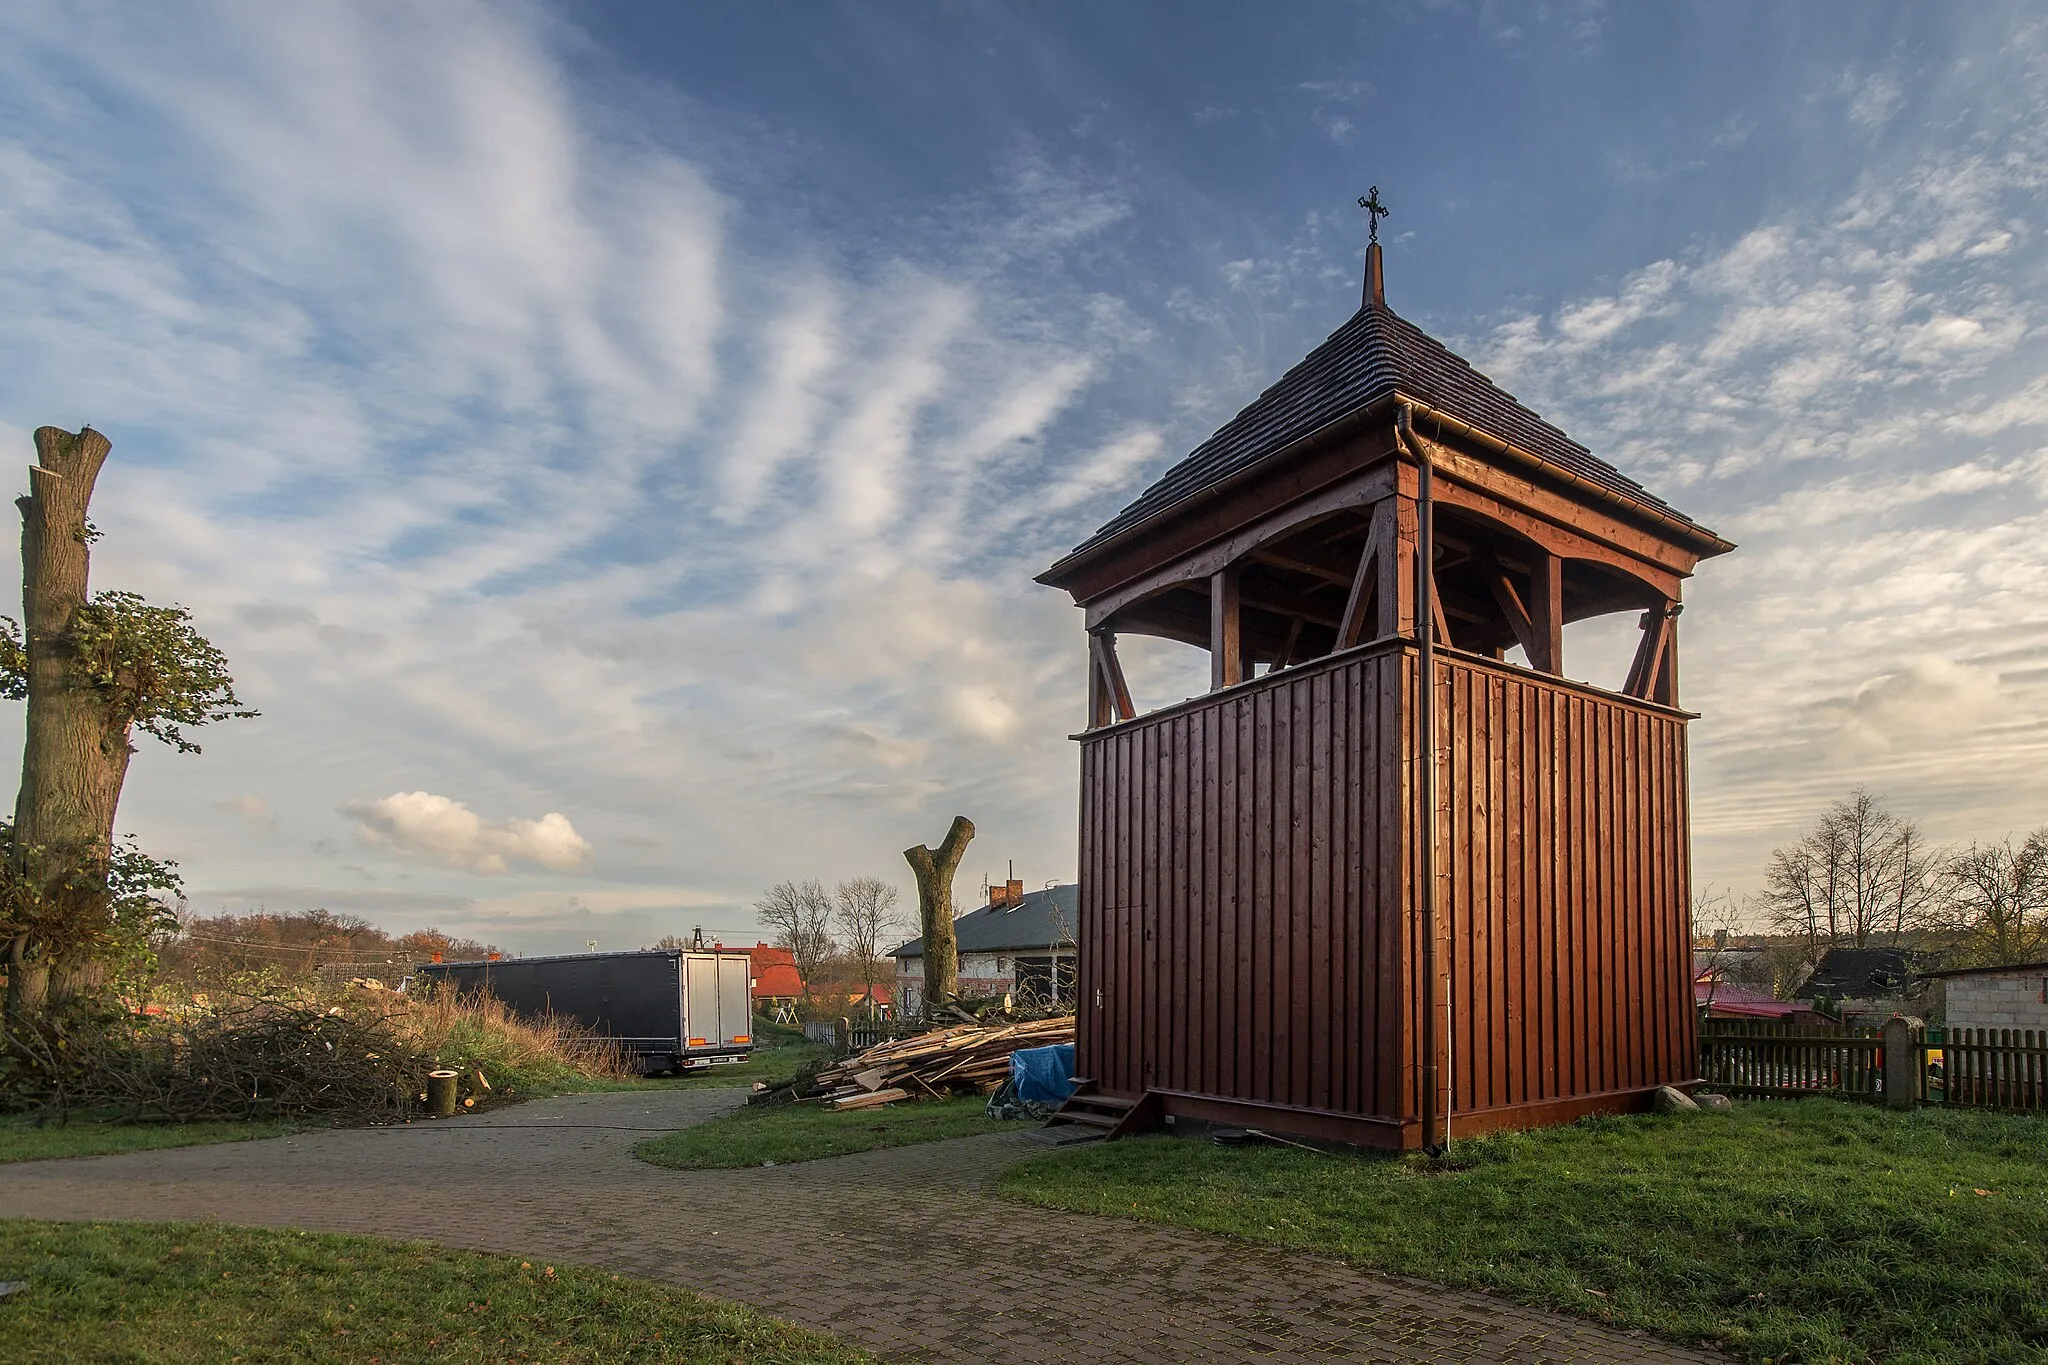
point(966, 1059)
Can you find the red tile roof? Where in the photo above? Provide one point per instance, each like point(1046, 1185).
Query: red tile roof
point(1728, 993)
point(774, 972)
point(1727, 999)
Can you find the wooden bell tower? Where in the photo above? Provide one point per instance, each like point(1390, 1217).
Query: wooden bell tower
point(1331, 898)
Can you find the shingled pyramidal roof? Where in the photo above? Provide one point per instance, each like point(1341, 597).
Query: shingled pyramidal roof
point(1375, 355)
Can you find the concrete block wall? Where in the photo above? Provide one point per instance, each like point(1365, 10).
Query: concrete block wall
point(981, 974)
point(1998, 1000)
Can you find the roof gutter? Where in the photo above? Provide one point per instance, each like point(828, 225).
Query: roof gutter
point(1434, 980)
point(1678, 527)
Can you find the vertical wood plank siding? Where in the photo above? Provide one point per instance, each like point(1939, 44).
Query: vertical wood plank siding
point(1249, 863)
point(1562, 854)
point(1241, 927)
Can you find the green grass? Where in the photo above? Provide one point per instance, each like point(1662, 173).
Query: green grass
point(783, 1133)
point(767, 1030)
point(1813, 1231)
point(767, 1065)
point(170, 1292)
point(98, 1135)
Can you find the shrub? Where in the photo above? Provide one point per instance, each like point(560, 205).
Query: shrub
point(285, 1052)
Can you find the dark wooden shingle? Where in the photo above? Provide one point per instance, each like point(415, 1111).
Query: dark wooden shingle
point(1373, 356)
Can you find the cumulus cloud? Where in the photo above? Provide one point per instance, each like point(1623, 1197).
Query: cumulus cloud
point(423, 825)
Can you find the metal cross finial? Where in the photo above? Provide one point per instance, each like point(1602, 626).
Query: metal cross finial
point(1374, 209)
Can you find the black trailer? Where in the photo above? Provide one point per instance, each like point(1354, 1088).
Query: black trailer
point(672, 1008)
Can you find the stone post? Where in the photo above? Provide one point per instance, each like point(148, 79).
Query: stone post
point(1902, 1069)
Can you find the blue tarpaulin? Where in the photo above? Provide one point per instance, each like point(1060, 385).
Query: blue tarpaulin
point(1043, 1075)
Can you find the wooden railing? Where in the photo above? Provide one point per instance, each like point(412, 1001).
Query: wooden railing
point(1772, 1061)
point(1979, 1068)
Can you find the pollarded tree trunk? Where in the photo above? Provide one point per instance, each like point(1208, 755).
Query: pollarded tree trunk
point(75, 756)
point(935, 910)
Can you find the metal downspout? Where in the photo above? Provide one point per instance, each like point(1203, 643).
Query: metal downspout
point(1425, 631)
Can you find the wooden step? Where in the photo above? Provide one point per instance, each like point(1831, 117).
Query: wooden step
point(1101, 1113)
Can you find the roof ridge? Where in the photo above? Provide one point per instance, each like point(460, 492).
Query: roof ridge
point(1373, 354)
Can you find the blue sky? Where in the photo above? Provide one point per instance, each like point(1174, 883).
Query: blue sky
point(614, 442)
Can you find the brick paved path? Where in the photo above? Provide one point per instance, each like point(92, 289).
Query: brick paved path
point(839, 1245)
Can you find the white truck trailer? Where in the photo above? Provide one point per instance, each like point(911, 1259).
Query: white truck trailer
point(673, 1009)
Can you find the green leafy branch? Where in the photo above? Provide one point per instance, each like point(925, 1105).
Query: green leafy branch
point(137, 900)
point(152, 670)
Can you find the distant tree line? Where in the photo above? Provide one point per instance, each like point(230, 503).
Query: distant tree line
point(215, 949)
point(1863, 876)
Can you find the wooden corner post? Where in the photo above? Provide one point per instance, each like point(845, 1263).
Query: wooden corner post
point(1226, 630)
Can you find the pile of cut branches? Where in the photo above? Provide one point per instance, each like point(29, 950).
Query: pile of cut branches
point(281, 1054)
point(253, 1059)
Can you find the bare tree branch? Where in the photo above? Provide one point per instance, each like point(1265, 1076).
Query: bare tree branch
point(864, 910)
point(800, 913)
point(1996, 898)
point(1860, 875)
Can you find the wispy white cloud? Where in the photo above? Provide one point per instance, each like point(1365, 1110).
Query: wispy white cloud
point(501, 456)
point(512, 445)
point(1854, 397)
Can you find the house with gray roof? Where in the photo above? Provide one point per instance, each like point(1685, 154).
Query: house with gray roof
point(1021, 943)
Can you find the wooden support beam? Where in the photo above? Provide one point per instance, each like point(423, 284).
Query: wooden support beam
point(1290, 608)
point(1664, 682)
point(1100, 708)
point(1226, 630)
point(1287, 646)
point(1364, 590)
point(1646, 646)
point(1298, 562)
point(1393, 531)
point(1510, 603)
point(1443, 625)
point(1357, 492)
point(1115, 691)
point(1647, 671)
point(1546, 610)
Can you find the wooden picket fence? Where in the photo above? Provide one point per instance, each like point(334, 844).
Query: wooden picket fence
point(1992, 1068)
point(866, 1033)
point(1980, 1068)
point(1763, 1059)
